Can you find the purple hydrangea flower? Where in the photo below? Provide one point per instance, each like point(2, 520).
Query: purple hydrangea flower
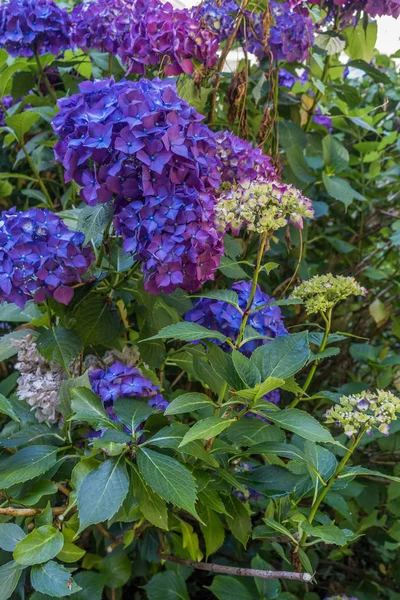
point(29, 27)
point(286, 79)
point(139, 143)
point(240, 161)
point(321, 119)
point(218, 15)
point(40, 257)
point(145, 33)
point(124, 381)
point(225, 318)
point(348, 8)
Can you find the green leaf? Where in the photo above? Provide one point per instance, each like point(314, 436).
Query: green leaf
point(14, 314)
point(96, 321)
point(102, 492)
point(168, 478)
point(228, 296)
point(151, 505)
point(222, 364)
point(283, 356)
point(212, 530)
point(279, 528)
point(10, 535)
point(89, 408)
point(238, 519)
point(39, 546)
point(21, 123)
point(299, 165)
point(291, 134)
point(375, 74)
point(361, 41)
point(248, 432)
point(70, 553)
point(334, 153)
point(132, 412)
point(206, 429)
point(26, 464)
point(94, 219)
point(6, 75)
point(187, 332)
point(60, 345)
point(225, 587)
point(300, 422)
point(6, 348)
point(339, 189)
point(246, 369)
point(52, 579)
point(361, 471)
point(329, 534)
point(278, 449)
point(6, 408)
point(166, 586)
point(10, 574)
point(332, 44)
point(188, 403)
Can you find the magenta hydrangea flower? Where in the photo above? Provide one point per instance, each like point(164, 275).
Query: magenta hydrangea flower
point(141, 144)
point(40, 257)
point(29, 27)
point(225, 318)
point(145, 33)
point(124, 381)
point(239, 161)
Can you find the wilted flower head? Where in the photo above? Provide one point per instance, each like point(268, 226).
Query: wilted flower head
point(367, 410)
point(29, 27)
point(239, 161)
point(323, 292)
point(145, 33)
point(139, 143)
point(124, 381)
point(225, 318)
point(39, 257)
point(262, 206)
point(39, 381)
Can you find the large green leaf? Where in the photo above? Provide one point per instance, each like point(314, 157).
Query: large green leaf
point(6, 408)
point(187, 403)
point(166, 586)
point(26, 464)
point(225, 587)
point(53, 579)
point(89, 408)
point(151, 504)
point(187, 332)
point(102, 492)
point(361, 40)
point(60, 345)
point(168, 478)
point(132, 412)
point(39, 546)
point(212, 530)
point(10, 535)
point(282, 357)
point(21, 123)
point(96, 321)
point(14, 314)
point(94, 219)
point(339, 188)
point(228, 296)
point(10, 574)
point(302, 423)
point(238, 519)
point(335, 154)
point(206, 429)
point(246, 369)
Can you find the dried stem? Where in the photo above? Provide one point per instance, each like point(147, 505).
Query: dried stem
point(239, 571)
point(30, 512)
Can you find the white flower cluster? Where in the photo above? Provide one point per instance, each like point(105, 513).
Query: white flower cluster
point(39, 382)
point(262, 206)
point(366, 410)
point(322, 292)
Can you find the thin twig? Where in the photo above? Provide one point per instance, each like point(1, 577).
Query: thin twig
point(30, 512)
point(239, 571)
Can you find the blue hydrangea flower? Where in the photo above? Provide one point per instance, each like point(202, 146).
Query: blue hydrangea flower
point(40, 257)
point(29, 27)
point(142, 145)
point(225, 318)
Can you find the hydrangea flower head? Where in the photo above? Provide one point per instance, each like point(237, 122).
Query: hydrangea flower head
point(347, 8)
point(39, 257)
point(124, 381)
point(225, 318)
point(366, 410)
point(218, 15)
point(341, 597)
point(145, 33)
point(323, 292)
point(262, 206)
point(139, 143)
point(29, 27)
point(239, 161)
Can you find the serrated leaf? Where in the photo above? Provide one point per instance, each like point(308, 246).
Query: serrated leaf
point(282, 357)
point(21, 123)
point(238, 519)
point(132, 412)
point(94, 219)
point(96, 321)
point(89, 408)
point(246, 370)
point(168, 478)
point(187, 332)
point(362, 471)
point(13, 313)
point(53, 579)
point(102, 492)
point(300, 422)
point(10, 574)
point(206, 429)
point(329, 534)
point(167, 585)
point(10, 535)
point(6, 408)
point(26, 464)
point(152, 506)
point(228, 296)
point(60, 345)
point(187, 403)
point(39, 546)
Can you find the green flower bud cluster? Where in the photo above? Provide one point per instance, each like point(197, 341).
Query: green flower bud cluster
point(262, 206)
point(366, 410)
point(322, 292)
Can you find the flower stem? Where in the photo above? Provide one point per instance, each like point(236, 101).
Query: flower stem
point(330, 483)
point(47, 83)
point(246, 313)
point(310, 377)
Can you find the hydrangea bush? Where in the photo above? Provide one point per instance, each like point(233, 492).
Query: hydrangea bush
point(199, 309)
